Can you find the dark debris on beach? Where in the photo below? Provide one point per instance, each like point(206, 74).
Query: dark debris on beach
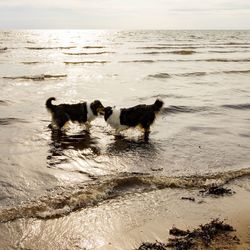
point(188, 198)
point(208, 235)
point(217, 191)
point(152, 246)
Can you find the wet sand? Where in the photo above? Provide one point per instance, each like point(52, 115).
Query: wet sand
point(126, 222)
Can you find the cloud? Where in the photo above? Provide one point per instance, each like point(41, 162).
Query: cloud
point(130, 14)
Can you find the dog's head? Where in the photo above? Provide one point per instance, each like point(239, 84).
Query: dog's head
point(107, 112)
point(97, 108)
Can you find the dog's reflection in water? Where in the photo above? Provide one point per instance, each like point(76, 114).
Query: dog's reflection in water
point(67, 148)
point(136, 147)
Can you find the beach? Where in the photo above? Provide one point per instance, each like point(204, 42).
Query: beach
point(126, 222)
point(94, 190)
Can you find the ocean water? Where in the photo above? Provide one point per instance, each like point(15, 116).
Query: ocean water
point(200, 138)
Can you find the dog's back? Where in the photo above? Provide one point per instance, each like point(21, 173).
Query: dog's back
point(141, 114)
point(76, 112)
point(64, 112)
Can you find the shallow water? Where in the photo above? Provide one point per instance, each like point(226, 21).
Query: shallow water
point(203, 130)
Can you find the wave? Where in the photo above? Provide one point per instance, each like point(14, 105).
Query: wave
point(201, 73)
point(11, 120)
point(235, 43)
point(30, 42)
point(229, 47)
point(178, 52)
point(138, 61)
point(183, 52)
point(190, 60)
point(154, 47)
point(64, 200)
point(247, 71)
point(35, 78)
point(223, 60)
point(197, 46)
point(154, 53)
point(45, 48)
point(160, 75)
point(173, 109)
point(3, 49)
point(164, 75)
point(4, 103)
point(179, 47)
point(198, 73)
point(213, 60)
point(243, 106)
point(90, 53)
point(94, 47)
point(228, 51)
point(87, 62)
point(32, 62)
point(161, 96)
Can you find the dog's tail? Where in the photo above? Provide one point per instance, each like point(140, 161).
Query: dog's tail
point(49, 105)
point(158, 105)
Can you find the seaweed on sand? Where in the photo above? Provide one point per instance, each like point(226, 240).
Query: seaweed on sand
point(202, 236)
point(152, 246)
point(217, 191)
point(211, 234)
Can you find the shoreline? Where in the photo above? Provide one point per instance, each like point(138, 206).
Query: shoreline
point(125, 223)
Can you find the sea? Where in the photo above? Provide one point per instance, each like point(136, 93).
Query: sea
point(200, 138)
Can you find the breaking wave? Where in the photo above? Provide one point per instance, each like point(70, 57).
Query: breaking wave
point(64, 200)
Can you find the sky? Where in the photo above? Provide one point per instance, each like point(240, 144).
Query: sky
point(124, 14)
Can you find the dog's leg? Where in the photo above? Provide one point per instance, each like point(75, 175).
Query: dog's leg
point(146, 134)
point(87, 126)
point(53, 125)
point(118, 132)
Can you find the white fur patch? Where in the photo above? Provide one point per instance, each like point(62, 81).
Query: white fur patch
point(90, 115)
point(114, 120)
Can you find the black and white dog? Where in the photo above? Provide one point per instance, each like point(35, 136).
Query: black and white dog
point(82, 113)
point(141, 115)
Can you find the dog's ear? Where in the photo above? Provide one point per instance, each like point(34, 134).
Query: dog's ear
point(107, 112)
point(96, 107)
